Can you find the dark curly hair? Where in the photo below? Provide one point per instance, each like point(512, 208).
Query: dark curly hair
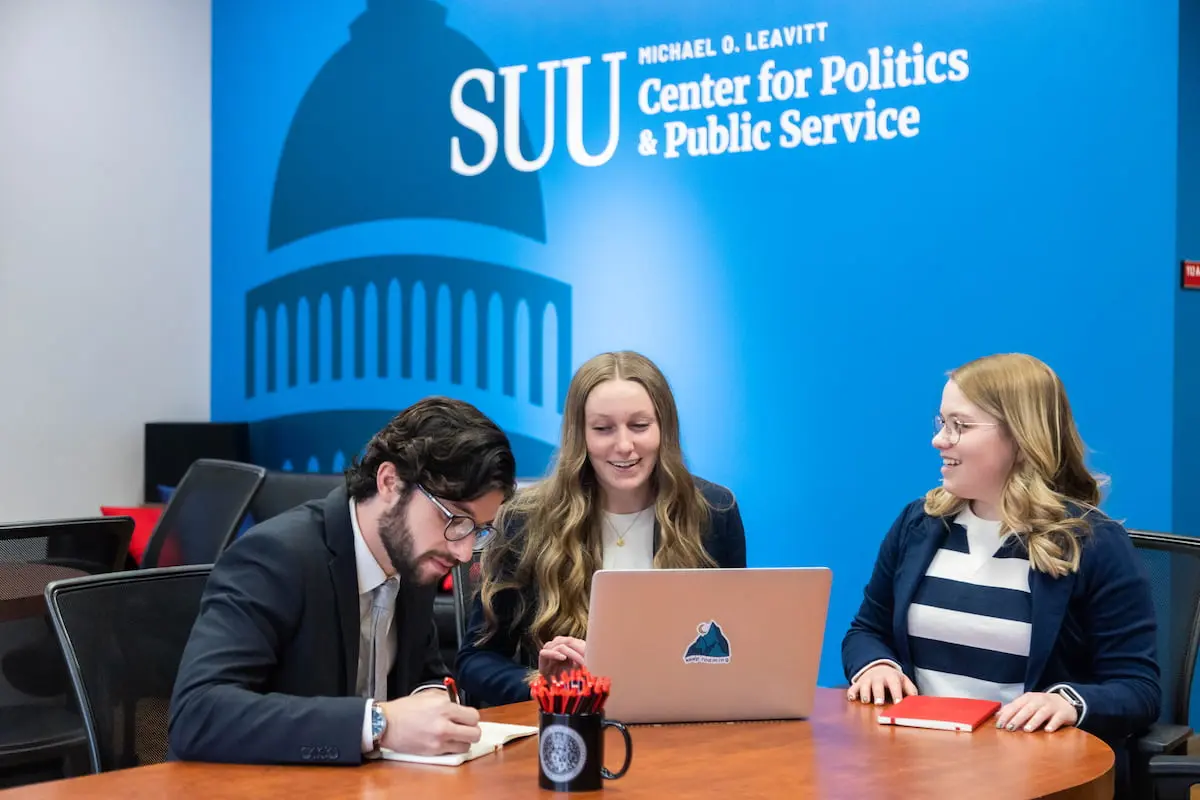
point(450, 447)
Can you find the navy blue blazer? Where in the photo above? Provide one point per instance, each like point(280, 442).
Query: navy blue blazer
point(270, 669)
point(495, 672)
point(1094, 629)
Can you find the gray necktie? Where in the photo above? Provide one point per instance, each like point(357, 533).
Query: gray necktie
point(382, 605)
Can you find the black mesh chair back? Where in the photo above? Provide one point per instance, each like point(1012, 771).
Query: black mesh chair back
point(1173, 564)
point(1159, 766)
point(123, 636)
point(204, 513)
point(466, 584)
point(466, 579)
point(89, 544)
point(283, 491)
point(39, 721)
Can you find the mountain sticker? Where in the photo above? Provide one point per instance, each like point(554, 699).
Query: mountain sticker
point(710, 647)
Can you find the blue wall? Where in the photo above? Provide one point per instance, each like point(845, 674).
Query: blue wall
point(1187, 304)
point(805, 302)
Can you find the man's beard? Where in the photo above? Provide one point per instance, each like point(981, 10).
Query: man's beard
point(397, 542)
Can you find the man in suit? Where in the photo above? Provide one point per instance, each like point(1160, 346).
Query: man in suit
point(315, 637)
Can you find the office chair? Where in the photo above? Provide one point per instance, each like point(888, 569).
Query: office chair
point(204, 513)
point(123, 636)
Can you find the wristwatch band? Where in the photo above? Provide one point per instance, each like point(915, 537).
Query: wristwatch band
point(378, 724)
point(1071, 696)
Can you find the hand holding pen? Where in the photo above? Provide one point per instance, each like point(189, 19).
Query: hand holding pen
point(426, 724)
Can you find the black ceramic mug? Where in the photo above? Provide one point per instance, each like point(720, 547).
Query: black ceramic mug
point(571, 752)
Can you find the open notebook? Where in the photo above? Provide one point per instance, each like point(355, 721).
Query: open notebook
point(493, 736)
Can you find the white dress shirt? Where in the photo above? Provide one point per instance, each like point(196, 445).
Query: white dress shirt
point(370, 577)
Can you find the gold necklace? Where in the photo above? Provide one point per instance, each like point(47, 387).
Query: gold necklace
point(621, 536)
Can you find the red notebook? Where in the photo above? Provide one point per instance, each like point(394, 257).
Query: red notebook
point(942, 713)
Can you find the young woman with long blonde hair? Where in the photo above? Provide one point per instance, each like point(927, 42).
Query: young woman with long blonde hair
point(1007, 582)
point(618, 497)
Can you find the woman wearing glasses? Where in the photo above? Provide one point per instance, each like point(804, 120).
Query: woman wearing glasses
point(1006, 582)
point(618, 497)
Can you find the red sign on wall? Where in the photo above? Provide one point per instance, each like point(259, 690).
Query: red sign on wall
point(1191, 274)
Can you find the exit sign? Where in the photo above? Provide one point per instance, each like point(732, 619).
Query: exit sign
point(1191, 274)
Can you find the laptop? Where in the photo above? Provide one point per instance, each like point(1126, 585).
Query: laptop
point(708, 645)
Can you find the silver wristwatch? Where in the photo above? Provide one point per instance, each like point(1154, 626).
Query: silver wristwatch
point(1072, 697)
point(378, 724)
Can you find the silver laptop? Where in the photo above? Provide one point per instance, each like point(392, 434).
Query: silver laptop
point(708, 645)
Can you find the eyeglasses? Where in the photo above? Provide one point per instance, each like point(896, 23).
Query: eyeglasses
point(458, 527)
point(954, 427)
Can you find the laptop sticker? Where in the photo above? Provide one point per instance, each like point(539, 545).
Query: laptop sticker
point(710, 647)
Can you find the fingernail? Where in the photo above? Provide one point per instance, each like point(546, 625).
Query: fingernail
point(999, 724)
point(878, 701)
point(1029, 728)
point(1011, 727)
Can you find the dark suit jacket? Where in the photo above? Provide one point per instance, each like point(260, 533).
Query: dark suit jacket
point(1094, 629)
point(269, 673)
point(494, 673)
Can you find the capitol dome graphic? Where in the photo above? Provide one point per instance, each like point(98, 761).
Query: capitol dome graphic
point(375, 322)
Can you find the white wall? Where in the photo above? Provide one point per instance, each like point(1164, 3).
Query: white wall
point(104, 243)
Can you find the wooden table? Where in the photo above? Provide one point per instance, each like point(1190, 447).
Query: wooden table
point(23, 586)
point(840, 753)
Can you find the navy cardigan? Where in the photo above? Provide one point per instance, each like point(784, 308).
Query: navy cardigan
point(495, 672)
point(1094, 629)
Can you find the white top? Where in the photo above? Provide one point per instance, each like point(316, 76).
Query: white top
point(636, 531)
point(370, 578)
point(969, 624)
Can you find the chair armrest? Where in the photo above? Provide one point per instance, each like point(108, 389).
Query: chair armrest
point(1172, 777)
point(1175, 767)
point(1163, 739)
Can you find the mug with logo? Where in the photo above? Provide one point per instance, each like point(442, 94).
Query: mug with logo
point(571, 727)
point(571, 752)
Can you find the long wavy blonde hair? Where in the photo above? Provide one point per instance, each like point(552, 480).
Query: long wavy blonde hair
point(1029, 400)
point(560, 516)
